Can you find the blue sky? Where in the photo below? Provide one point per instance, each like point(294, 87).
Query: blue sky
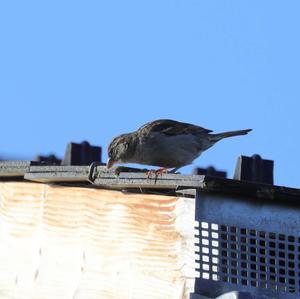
point(89, 70)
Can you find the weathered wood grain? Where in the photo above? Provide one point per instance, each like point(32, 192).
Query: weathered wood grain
point(71, 242)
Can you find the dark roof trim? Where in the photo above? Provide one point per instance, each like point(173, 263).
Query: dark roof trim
point(131, 178)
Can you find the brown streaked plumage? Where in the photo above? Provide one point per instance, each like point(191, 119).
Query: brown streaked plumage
point(165, 143)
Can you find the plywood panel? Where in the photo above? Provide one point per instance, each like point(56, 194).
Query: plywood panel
point(84, 243)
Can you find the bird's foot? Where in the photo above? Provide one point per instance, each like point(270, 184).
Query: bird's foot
point(160, 171)
point(149, 173)
point(156, 172)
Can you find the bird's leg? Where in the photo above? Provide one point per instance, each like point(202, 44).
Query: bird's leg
point(161, 170)
point(156, 172)
point(149, 173)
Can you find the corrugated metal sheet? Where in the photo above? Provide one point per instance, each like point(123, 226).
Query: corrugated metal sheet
point(73, 242)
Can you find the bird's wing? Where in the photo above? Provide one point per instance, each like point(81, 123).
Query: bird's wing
point(171, 128)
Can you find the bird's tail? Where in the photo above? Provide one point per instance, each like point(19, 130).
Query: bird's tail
point(219, 136)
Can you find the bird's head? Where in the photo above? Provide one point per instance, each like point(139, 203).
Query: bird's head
point(118, 150)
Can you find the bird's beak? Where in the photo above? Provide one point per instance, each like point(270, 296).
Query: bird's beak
point(110, 163)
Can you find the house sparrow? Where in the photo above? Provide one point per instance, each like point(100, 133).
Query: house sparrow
point(165, 143)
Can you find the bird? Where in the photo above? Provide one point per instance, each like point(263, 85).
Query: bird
point(165, 143)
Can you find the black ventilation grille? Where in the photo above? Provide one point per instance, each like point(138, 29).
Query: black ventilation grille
point(249, 258)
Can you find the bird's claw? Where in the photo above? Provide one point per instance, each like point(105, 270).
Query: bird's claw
point(156, 172)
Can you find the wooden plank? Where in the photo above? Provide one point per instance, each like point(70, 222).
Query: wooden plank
point(137, 179)
point(58, 173)
point(111, 178)
point(14, 168)
point(140, 180)
point(85, 243)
